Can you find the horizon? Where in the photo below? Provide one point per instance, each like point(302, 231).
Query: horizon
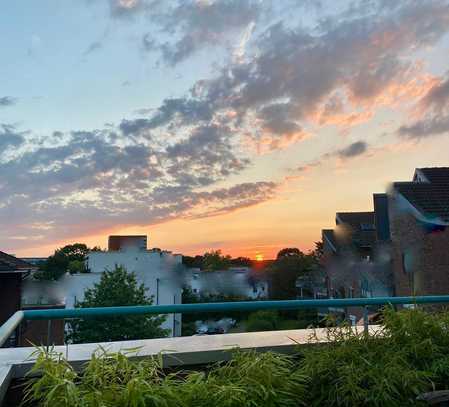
point(238, 125)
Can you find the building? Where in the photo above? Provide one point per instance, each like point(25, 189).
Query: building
point(236, 281)
point(357, 255)
point(160, 272)
point(12, 273)
point(419, 220)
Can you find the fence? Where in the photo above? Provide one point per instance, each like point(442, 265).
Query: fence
point(9, 327)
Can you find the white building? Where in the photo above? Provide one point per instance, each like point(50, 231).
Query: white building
point(159, 271)
point(236, 281)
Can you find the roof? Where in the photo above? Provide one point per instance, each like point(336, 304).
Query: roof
point(328, 235)
point(11, 263)
point(430, 199)
point(355, 219)
point(362, 225)
point(436, 175)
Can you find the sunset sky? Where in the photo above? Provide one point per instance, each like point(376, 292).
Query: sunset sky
point(239, 125)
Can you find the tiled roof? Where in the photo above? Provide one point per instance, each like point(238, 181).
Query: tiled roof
point(328, 234)
point(436, 175)
point(431, 199)
point(355, 219)
point(11, 263)
point(362, 225)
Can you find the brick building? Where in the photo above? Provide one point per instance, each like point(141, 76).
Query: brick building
point(356, 253)
point(357, 256)
point(12, 271)
point(419, 220)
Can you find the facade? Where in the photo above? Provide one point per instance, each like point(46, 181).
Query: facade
point(419, 222)
point(357, 255)
point(235, 281)
point(160, 272)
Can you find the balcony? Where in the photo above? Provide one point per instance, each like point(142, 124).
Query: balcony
point(308, 354)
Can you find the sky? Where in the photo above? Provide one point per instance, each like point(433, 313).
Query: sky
point(240, 125)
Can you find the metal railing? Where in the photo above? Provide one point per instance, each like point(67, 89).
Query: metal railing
point(9, 327)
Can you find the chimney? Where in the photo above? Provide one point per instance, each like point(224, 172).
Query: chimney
point(381, 218)
point(117, 243)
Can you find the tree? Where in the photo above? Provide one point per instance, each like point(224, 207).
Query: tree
point(214, 261)
point(71, 258)
point(116, 288)
point(290, 264)
point(288, 252)
point(76, 267)
point(193, 262)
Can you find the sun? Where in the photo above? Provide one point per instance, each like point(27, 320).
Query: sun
point(259, 257)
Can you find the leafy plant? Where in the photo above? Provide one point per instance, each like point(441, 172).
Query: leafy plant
point(409, 356)
point(116, 288)
point(112, 379)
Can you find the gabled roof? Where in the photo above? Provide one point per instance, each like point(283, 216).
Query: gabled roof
point(435, 175)
point(355, 219)
point(329, 238)
point(362, 225)
point(430, 199)
point(11, 263)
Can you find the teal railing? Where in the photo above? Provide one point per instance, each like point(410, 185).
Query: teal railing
point(9, 327)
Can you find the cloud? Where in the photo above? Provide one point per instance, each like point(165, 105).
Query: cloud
point(353, 150)
point(82, 182)
point(93, 47)
point(433, 113)
point(7, 101)
point(126, 8)
point(286, 81)
point(196, 25)
point(9, 138)
point(295, 79)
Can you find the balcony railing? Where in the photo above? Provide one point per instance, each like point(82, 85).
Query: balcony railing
point(9, 327)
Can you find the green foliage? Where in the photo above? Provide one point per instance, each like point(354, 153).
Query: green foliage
point(275, 321)
point(76, 267)
point(68, 258)
point(409, 356)
point(262, 321)
point(248, 380)
point(290, 264)
point(214, 261)
point(116, 288)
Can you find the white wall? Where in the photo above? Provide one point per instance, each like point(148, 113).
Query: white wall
point(234, 281)
point(158, 271)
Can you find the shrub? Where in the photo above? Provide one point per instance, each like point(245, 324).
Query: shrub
point(408, 357)
point(250, 379)
point(355, 370)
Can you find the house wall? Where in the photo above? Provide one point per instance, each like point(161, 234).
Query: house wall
point(420, 255)
point(158, 271)
point(236, 281)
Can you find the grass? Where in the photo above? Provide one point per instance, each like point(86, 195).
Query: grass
point(410, 356)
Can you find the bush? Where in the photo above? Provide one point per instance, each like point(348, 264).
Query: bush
point(250, 379)
point(355, 370)
point(408, 357)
